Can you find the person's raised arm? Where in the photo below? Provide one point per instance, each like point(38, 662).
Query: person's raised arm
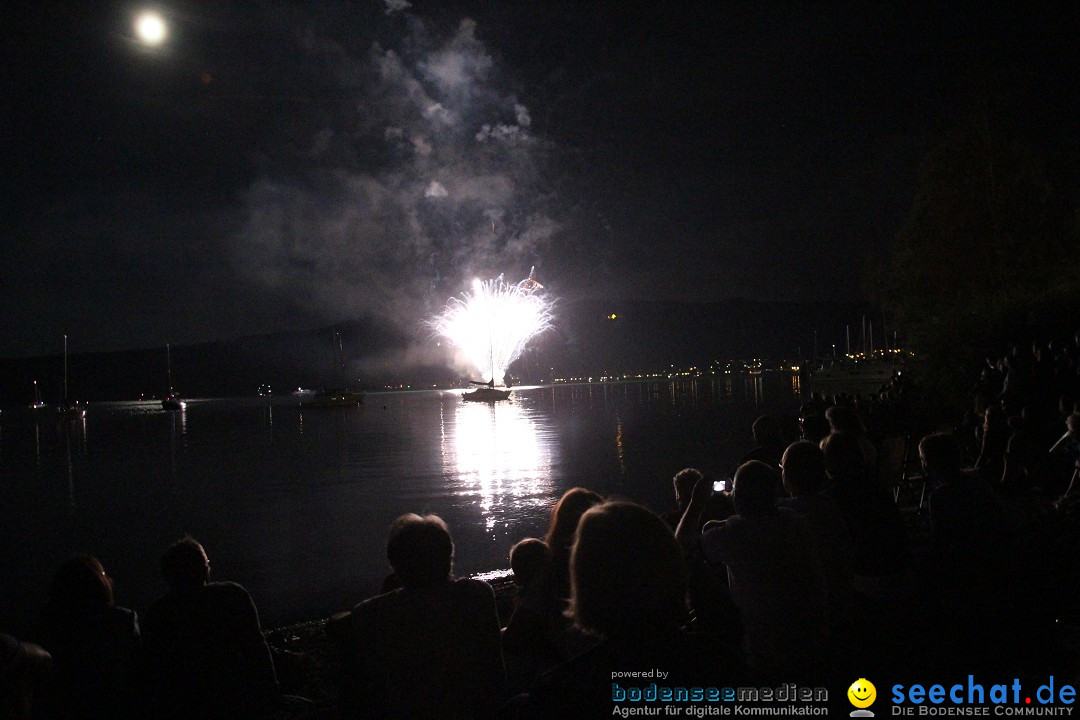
point(689, 527)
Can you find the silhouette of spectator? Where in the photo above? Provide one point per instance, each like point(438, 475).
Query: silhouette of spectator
point(553, 591)
point(844, 419)
point(880, 552)
point(683, 482)
point(803, 472)
point(1065, 453)
point(204, 648)
point(560, 536)
point(23, 667)
point(714, 612)
point(528, 561)
point(813, 427)
point(967, 435)
point(1016, 388)
point(774, 574)
point(988, 388)
point(963, 509)
point(1024, 466)
point(803, 469)
point(972, 555)
point(93, 644)
point(629, 592)
point(430, 649)
point(995, 436)
point(1066, 406)
point(768, 442)
point(527, 637)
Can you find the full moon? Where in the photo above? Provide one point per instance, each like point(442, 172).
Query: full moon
point(150, 28)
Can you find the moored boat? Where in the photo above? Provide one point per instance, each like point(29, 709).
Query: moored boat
point(861, 369)
point(486, 394)
point(38, 403)
point(172, 400)
point(333, 397)
point(68, 410)
point(341, 397)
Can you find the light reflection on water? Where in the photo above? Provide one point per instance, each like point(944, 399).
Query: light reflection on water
point(294, 503)
point(497, 451)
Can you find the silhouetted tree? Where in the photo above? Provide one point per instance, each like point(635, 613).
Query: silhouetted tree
point(988, 253)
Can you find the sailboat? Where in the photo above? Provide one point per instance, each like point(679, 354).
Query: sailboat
point(336, 397)
point(38, 403)
point(69, 410)
point(172, 400)
point(870, 367)
point(486, 391)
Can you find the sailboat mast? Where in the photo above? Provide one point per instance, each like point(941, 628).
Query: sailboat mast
point(168, 366)
point(337, 362)
point(340, 358)
point(65, 370)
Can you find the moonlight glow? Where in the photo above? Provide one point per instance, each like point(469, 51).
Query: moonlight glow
point(493, 323)
point(150, 28)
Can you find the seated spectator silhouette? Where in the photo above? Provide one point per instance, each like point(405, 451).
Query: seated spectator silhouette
point(430, 649)
point(988, 387)
point(203, 644)
point(1024, 471)
point(880, 557)
point(683, 484)
point(803, 473)
point(718, 507)
point(967, 436)
point(1017, 386)
point(768, 442)
point(554, 591)
point(845, 419)
point(1065, 457)
point(774, 574)
point(528, 561)
point(560, 536)
point(813, 427)
point(527, 645)
point(804, 479)
point(974, 563)
point(93, 644)
point(994, 437)
point(23, 668)
point(963, 509)
point(713, 611)
point(629, 593)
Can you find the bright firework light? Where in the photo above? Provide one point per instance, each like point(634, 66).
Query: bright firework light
point(494, 322)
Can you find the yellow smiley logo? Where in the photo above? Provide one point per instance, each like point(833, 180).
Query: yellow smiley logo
point(862, 693)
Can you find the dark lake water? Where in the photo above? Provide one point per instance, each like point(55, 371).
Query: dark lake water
point(294, 503)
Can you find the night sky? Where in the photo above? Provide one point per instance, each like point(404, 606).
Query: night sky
point(282, 165)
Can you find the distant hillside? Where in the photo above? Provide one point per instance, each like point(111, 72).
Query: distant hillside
point(641, 336)
point(659, 334)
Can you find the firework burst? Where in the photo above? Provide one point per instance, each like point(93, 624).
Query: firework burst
point(492, 323)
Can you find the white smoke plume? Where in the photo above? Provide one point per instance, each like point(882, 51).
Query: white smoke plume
point(435, 190)
point(393, 6)
point(423, 175)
